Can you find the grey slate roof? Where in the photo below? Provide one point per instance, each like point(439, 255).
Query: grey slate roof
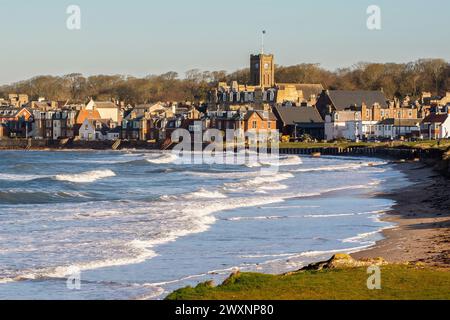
point(292, 115)
point(343, 99)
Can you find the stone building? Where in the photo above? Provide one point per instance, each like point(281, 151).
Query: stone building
point(262, 70)
point(262, 88)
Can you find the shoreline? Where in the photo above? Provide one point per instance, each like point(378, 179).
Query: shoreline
point(421, 215)
point(415, 256)
point(422, 220)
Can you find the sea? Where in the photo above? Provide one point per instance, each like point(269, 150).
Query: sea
point(131, 224)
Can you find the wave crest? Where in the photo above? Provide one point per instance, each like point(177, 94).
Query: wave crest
point(85, 177)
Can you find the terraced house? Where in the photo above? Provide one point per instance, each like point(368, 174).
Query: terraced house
point(16, 122)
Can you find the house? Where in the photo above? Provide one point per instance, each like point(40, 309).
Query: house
point(17, 120)
point(330, 101)
point(44, 105)
point(106, 109)
point(372, 106)
point(87, 130)
point(137, 128)
point(4, 103)
point(436, 126)
point(18, 100)
point(113, 134)
point(397, 128)
point(297, 121)
point(54, 124)
point(137, 123)
point(82, 115)
point(445, 100)
point(297, 93)
point(4, 131)
point(345, 124)
point(99, 130)
point(260, 123)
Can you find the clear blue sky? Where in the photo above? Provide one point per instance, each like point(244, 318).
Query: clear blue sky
point(140, 37)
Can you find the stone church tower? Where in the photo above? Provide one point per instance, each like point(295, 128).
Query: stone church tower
point(262, 70)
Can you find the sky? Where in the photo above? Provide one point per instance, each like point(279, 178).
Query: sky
point(142, 37)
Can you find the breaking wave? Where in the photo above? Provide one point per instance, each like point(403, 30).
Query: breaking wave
point(85, 177)
point(20, 177)
point(205, 194)
point(163, 159)
point(344, 167)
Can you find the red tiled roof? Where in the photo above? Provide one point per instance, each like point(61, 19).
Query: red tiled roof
point(87, 114)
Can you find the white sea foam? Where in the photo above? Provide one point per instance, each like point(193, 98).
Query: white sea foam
point(85, 177)
point(344, 167)
point(261, 180)
point(21, 177)
point(205, 194)
point(164, 159)
point(273, 187)
point(288, 161)
point(256, 218)
point(329, 215)
point(363, 238)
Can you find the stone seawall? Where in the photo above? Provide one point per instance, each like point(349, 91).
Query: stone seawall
point(437, 158)
point(66, 144)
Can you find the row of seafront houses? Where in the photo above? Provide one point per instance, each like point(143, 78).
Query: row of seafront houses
point(296, 110)
point(91, 121)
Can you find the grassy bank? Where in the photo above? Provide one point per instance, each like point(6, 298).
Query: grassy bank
point(399, 282)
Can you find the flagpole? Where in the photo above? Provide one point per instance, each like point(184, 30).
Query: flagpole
point(262, 42)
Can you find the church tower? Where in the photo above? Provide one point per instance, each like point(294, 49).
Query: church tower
point(262, 70)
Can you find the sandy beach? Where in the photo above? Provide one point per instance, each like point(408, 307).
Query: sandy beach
point(422, 216)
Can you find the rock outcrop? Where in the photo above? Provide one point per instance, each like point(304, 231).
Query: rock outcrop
point(342, 261)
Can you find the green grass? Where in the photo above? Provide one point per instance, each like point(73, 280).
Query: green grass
point(399, 282)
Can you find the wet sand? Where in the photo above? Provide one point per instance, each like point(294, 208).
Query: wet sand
point(422, 219)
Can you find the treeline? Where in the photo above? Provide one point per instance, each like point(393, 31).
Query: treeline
point(395, 79)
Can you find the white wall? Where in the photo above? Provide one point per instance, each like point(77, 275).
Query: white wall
point(87, 131)
point(349, 130)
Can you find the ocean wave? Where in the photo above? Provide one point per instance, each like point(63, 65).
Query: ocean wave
point(166, 158)
point(144, 254)
point(21, 177)
point(364, 238)
point(284, 161)
point(262, 181)
point(345, 167)
point(329, 215)
point(21, 196)
point(85, 177)
point(274, 187)
point(205, 194)
point(256, 218)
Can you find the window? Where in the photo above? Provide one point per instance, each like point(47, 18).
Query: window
point(269, 125)
point(254, 124)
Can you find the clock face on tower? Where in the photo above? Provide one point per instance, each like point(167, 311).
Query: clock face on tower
point(266, 66)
